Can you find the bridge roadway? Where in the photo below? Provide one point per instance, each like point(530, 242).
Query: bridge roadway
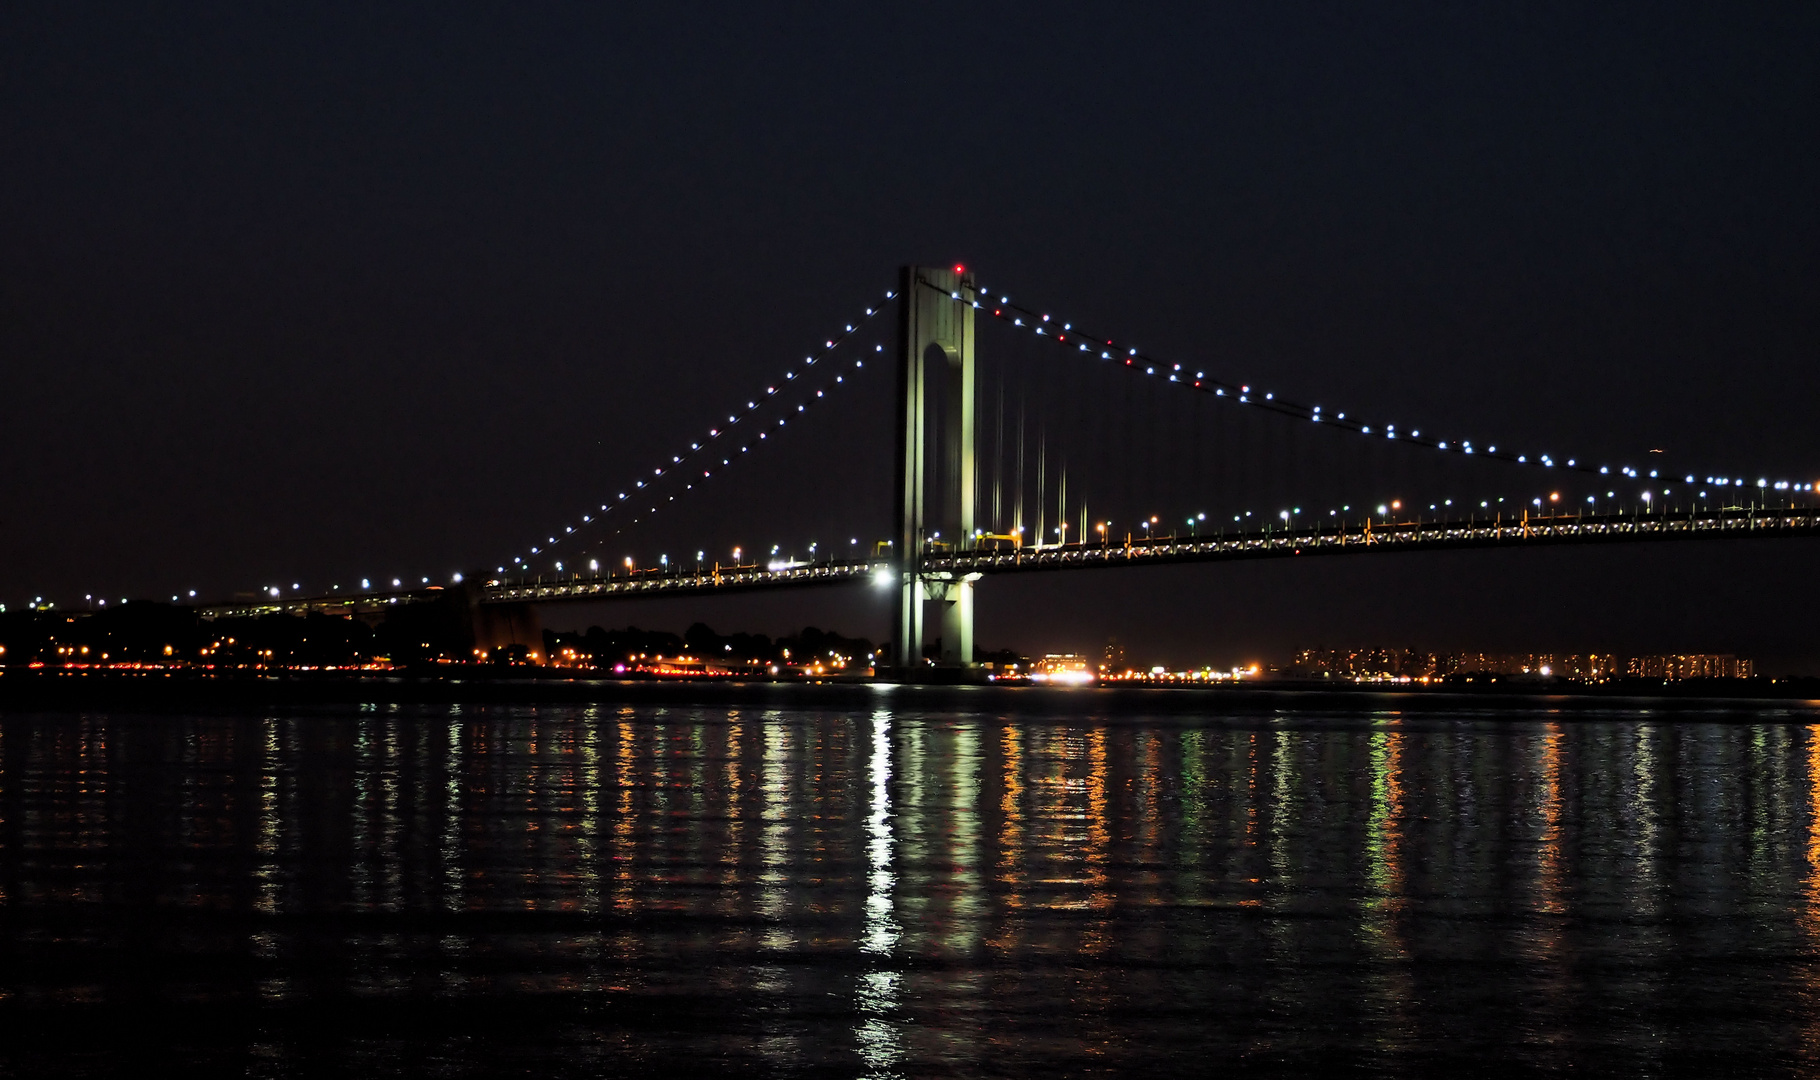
point(1357, 538)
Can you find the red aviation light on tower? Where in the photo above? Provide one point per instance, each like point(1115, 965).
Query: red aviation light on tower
point(959, 269)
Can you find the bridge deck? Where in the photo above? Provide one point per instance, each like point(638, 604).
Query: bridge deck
point(1398, 536)
point(1356, 538)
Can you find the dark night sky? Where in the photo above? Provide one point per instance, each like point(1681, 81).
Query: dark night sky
point(302, 293)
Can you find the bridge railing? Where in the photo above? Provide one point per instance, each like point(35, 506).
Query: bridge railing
point(1375, 534)
point(1342, 536)
point(683, 580)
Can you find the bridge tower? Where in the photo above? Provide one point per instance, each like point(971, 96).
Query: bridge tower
point(935, 461)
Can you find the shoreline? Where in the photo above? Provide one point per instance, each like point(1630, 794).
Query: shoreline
point(40, 691)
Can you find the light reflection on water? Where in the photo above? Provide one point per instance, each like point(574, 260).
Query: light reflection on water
point(894, 891)
point(879, 1044)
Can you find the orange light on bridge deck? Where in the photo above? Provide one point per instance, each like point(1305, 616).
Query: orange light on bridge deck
point(1554, 496)
point(1396, 504)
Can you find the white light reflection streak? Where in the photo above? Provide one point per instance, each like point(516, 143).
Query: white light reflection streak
point(269, 823)
point(1645, 893)
point(774, 838)
point(452, 880)
point(271, 830)
point(589, 855)
point(391, 822)
point(361, 873)
point(878, 993)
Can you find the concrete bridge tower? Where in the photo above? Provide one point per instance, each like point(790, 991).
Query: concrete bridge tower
point(936, 465)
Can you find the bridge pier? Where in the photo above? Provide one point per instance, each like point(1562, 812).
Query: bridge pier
point(936, 465)
point(491, 627)
point(497, 626)
point(957, 621)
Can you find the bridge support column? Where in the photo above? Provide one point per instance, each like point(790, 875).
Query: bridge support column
point(936, 466)
point(956, 598)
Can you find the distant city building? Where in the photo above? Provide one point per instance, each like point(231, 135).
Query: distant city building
point(1690, 666)
point(1061, 668)
point(1399, 665)
point(1112, 661)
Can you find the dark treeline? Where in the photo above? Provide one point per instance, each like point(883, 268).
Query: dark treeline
point(147, 632)
point(607, 648)
point(156, 633)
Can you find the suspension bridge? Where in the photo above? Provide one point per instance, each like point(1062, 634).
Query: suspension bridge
point(1052, 452)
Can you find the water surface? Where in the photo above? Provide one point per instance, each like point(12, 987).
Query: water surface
point(913, 884)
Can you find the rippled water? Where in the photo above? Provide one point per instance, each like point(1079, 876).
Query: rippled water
point(912, 883)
